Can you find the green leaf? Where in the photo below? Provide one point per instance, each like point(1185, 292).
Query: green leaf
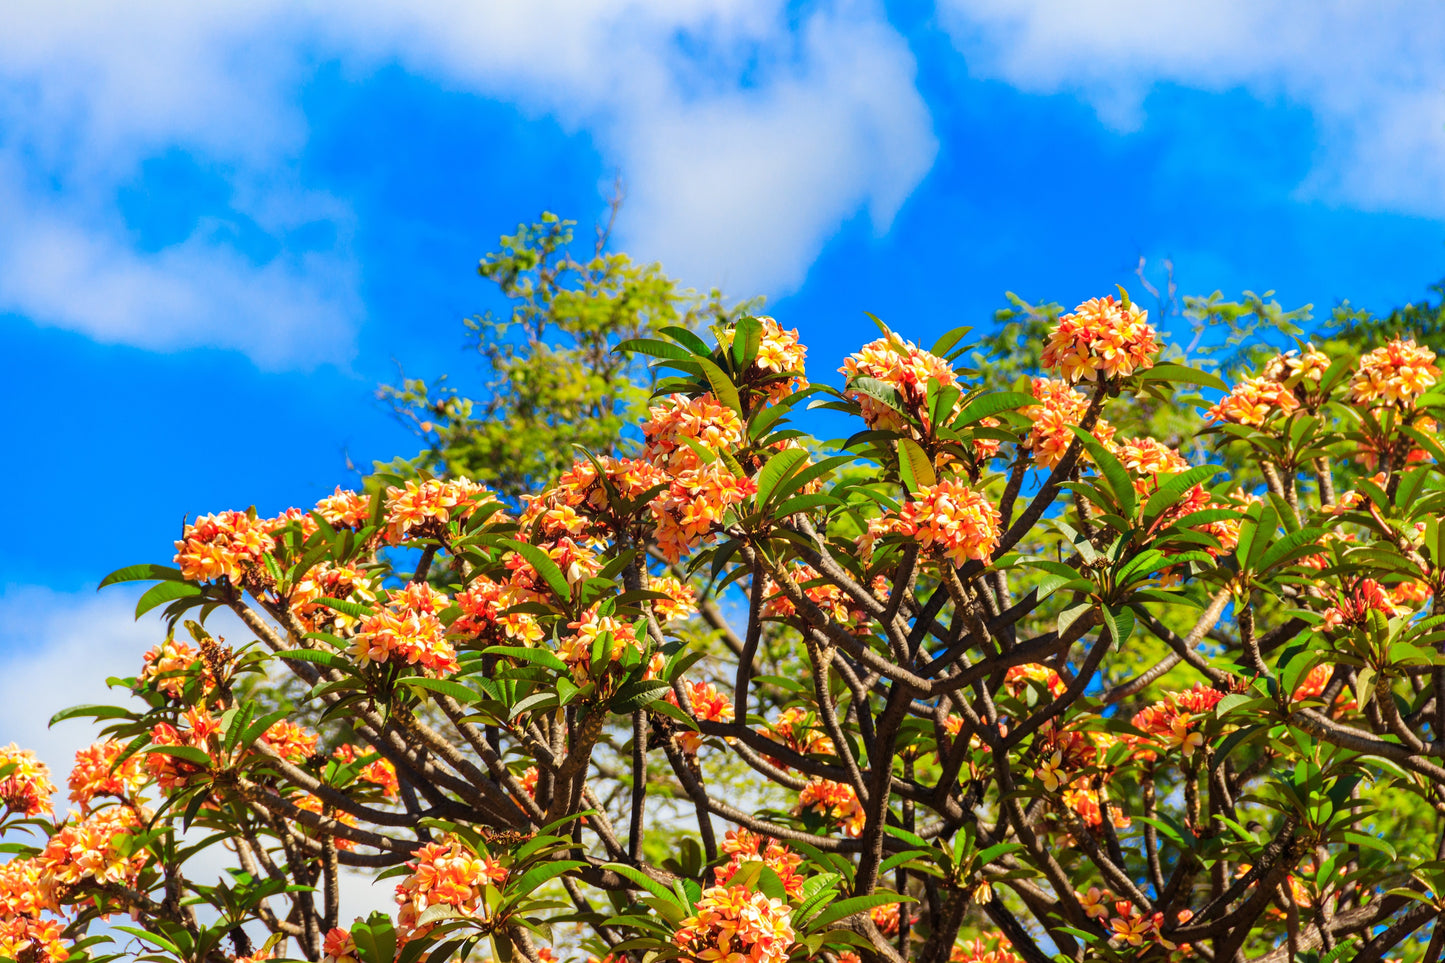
point(541, 657)
point(1182, 374)
point(636, 695)
point(144, 572)
point(778, 468)
point(651, 885)
point(90, 711)
point(656, 348)
point(316, 655)
point(189, 754)
point(544, 565)
point(722, 387)
point(445, 687)
point(163, 593)
point(855, 904)
point(1112, 469)
point(914, 465)
point(991, 404)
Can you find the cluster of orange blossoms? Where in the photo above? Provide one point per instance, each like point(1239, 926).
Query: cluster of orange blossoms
point(444, 873)
point(1172, 722)
point(953, 518)
point(171, 772)
point(79, 850)
point(339, 947)
point(798, 729)
point(1060, 408)
point(1129, 927)
point(97, 773)
point(165, 666)
point(290, 741)
point(1312, 686)
point(26, 787)
point(407, 631)
point(1252, 402)
point(1016, 679)
point(732, 924)
point(223, 545)
point(779, 352)
point(1396, 373)
point(742, 846)
point(327, 581)
point(427, 507)
point(835, 802)
point(1353, 606)
point(904, 367)
point(977, 951)
point(708, 704)
point(576, 648)
point(378, 772)
point(831, 600)
point(1102, 338)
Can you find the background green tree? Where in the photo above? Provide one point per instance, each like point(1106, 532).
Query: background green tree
point(550, 376)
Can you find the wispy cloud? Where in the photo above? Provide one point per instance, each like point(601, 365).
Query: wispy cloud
point(1370, 73)
point(746, 136)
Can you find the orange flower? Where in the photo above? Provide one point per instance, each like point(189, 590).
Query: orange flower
point(1312, 686)
point(576, 648)
point(707, 703)
point(1252, 402)
point(1060, 408)
point(745, 847)
point(33, 940)
point(800, 731)
point(1352, 607)
point(833, 801)
point(331, 582)
point(681, 601)
point(1169, 722)
point(694, 504)
point(733, 925)
point(25, 889)
point(779, 353)
point(425, 508)
point(345, 509)
point(87, 850)
point(312, 804)
point(1016, 679)
point(976, 951)
point(226, 544)
point(578, 505)
point(678, 421)
point(97, 774)
point(1396, 374)
point(168, 771)
point(1102, 337)
point(378, 772)
point(951, 516)
point(1296, 365)
point(339, 947)
point(904, 367)
point(26, 788)
point(165, 665)
point(444, 873)
point(292, 742)
point(407, 631)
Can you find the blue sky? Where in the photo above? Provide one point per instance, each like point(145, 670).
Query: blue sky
point(226, 223)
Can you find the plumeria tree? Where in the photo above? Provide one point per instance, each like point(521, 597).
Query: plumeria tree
point(1007, 684)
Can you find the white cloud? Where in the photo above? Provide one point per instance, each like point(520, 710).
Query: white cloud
point(1370, 73)
point(745, 138)
point(59, 649)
